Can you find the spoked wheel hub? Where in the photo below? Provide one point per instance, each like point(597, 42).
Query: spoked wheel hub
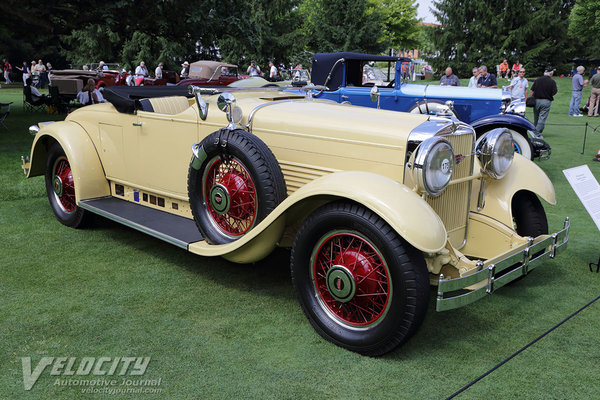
point(230, 196)
point(351, 279)
point(63, 185)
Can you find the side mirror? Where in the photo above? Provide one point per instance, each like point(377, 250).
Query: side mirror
point(202, 106)
point(226, 103)
point(375, 95)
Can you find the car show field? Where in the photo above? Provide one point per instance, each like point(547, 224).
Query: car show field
point(111, 290)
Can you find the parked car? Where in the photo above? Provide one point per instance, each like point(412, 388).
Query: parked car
point(349, 77)
point(375, 205)
point(70, 81)
point(211, 73)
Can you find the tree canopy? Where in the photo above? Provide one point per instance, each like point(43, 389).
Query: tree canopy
point(584, 27)
point(172, 31)
point(473, 32)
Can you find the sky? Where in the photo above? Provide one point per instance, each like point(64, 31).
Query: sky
point(423, 11)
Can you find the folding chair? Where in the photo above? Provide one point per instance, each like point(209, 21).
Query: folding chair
point(57, 100)
point(29, 104)
point(4, 111)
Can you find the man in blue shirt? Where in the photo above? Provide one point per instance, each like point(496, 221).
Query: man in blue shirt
point(486, 80)
point(578, 84)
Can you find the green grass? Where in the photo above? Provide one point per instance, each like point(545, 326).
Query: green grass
point(217, 330)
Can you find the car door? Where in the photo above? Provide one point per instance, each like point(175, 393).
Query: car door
point(165, 149)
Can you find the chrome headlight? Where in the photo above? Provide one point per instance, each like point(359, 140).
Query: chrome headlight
point(433, 165)
point(496, 151)
point(516, 107)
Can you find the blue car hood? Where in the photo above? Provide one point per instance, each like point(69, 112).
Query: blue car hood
point(454, 92)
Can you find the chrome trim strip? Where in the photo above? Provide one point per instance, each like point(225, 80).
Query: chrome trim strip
point(490, 278)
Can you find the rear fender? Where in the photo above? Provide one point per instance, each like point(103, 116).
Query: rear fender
point(523, 175)
point(88, 174)
point(406, 212)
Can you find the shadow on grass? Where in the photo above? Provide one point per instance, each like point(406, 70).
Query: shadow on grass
point(270, 275)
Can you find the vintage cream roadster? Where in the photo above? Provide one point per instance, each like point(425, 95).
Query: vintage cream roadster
point(375, 205)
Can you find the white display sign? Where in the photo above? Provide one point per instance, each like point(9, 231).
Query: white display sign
point(586, 187)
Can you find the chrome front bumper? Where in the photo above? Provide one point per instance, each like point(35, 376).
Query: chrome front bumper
point(497, 272)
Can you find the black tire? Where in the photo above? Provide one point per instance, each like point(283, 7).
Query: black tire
point(370, 324)
point(248, 170)
point(529, 215)
point(430, 107)
point(60, 189)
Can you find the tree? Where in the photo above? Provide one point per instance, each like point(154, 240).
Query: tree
point(342, 25)
point(265, 30)
point(584, 27)
point(474, 33)
point(400, 22)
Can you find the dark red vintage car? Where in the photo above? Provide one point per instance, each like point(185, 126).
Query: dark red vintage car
point(69, 82)
point(212, 73)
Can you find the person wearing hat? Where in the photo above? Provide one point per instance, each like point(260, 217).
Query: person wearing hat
point(185, 72)
point(595, 97)
point(543, 90)
point(158, 71)
point(102, 66)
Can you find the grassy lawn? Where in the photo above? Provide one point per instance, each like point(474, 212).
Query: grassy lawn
point(217, 330)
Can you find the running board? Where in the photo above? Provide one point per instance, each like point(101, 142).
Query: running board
point(171, 228)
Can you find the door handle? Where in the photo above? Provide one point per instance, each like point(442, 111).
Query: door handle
point(137, 124)
point(344, 97)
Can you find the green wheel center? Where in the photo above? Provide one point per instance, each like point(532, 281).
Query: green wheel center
point(58, 186)
point(219, 199)
point(340, 283)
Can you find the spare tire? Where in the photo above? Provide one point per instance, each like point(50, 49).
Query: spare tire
point(233, 184)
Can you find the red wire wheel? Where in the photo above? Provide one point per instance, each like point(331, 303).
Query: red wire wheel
point(63, 185)
point(351, 278)
point(60, 188)
point(360, 284)
point(230, 196)
point(234, 182)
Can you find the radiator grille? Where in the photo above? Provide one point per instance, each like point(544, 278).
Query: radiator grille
point(453, 205)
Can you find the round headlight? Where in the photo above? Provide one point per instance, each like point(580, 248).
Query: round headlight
point(516, 107)
point(434, 165)
point(496, 151)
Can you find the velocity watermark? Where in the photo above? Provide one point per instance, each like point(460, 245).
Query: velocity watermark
point(106, 375)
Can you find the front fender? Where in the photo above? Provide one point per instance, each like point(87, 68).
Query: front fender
point(523, 175)
point(514, 122)
point(406, 212)
point(88, 174)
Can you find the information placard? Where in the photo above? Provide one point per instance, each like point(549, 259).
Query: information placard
point(586, 187)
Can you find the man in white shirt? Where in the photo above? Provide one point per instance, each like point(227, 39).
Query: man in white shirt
point(272, 71)
point(140, 73)
point(474, 78)
point(158, 71)
point(519, 86)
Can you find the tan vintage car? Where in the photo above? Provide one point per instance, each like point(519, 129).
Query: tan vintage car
point(375, 205)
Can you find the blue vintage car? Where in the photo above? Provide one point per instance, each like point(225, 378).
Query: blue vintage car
point(350, 77)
